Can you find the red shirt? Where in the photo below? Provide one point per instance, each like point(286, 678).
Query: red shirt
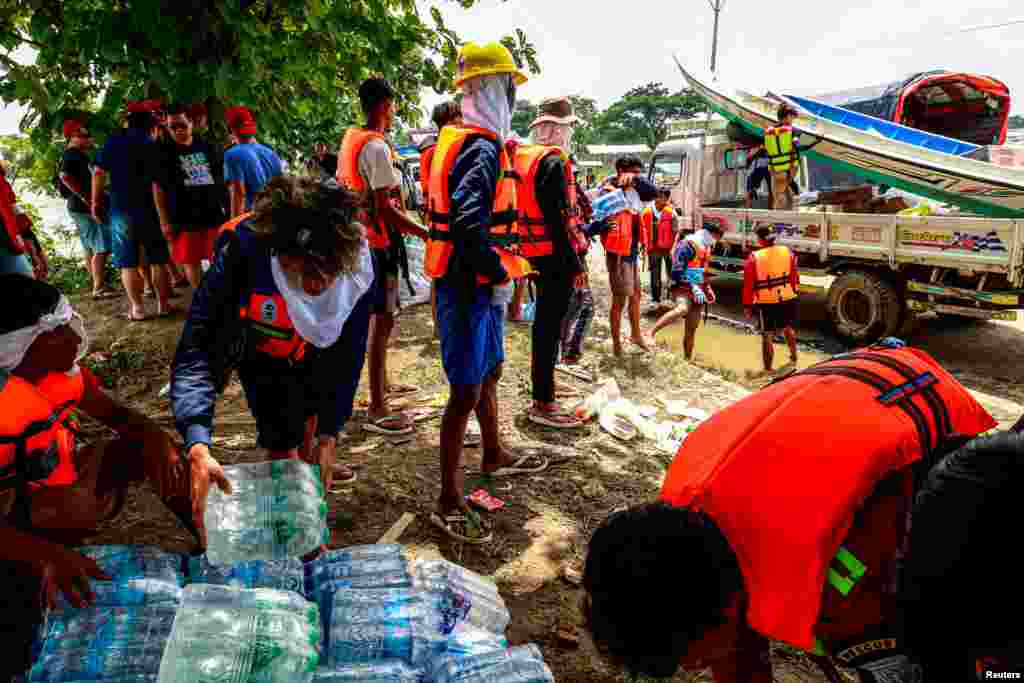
point(750, 276)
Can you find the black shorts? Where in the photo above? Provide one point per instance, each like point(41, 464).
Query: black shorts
point(384, 291)
point(777, 317)
point(755, 179)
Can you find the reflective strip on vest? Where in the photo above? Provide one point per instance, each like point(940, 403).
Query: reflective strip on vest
point(772, 274)
point(756, 469)
point(503, 236)
point(778, 142)
point(377, 232)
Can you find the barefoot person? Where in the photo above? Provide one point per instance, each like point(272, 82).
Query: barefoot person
point(548, 225)
point(53, 494)
point(622, 249)
point(285, 302)
point(770, 285)
point(690, 283)
point(837, 511)
point(473, 212)
point(366, 165)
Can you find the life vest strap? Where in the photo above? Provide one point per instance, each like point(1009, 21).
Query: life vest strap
point(506, 217)
point(526, 220)
point(780, 281)
point(910, 388)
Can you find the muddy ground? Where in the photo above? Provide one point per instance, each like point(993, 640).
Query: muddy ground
point(548, 518)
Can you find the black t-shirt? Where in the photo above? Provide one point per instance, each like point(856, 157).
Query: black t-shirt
point(189, 177)
point(75, 163)
point(329, 164)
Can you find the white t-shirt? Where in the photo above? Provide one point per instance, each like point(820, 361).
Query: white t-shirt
point(376, 167)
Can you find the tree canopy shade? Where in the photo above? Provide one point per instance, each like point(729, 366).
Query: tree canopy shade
point(296, 63)
point(643, 115)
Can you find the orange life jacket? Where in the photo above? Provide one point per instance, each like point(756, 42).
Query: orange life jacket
point(619, 240)
point(377, 232)
point(534, 240)
point(271, 330)
point(665, 235)
point(37, 441)
point(426, 156)
point(647, 228)
point(783, 472)
point(502, 230)
point(773, 269)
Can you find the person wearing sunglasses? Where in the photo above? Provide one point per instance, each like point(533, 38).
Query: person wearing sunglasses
point(285, 303)
point(187, 196)
point(75, 184)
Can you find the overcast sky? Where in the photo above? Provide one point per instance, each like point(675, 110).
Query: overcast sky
point(601, 49)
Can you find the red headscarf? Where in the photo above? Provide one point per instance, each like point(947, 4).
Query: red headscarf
point(150, 106)
point(240, 121)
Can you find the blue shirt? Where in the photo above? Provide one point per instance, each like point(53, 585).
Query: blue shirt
point(473, 181)
point(253, 165)
point(129, 159)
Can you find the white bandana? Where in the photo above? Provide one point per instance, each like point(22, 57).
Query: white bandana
point(551, 133)
point(485, 104)
point(320, 319)
point(14, 345)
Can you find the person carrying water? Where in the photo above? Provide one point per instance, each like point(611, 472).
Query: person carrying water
point(285, 302)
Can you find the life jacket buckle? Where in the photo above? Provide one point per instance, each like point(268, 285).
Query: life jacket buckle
point(854, 567)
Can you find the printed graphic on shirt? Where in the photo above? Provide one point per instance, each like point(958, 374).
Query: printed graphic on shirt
point(269, 311)
point(196, 169)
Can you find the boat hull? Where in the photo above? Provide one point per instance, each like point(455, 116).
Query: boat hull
point(973, 185)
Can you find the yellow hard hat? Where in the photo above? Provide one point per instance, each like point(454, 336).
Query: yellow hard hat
point(485, 60)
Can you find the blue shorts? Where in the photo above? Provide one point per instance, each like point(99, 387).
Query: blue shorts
point(473, 339)
point(129, 234)
point(95, 236)
point(14, 263)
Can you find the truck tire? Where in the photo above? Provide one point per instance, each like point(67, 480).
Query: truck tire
point(864, 306)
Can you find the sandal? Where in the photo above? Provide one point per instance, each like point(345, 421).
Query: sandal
point(104, 294)
point(127, 315)
point(338, 483)
point(402, 390)
point(380, 425)
point(556, 419)
point(458, 525)
point(520, 466)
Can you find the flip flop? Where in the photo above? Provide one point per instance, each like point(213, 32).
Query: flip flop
point(517, 467)
point(554, 420)
point(402, 390)
point(128, 316)
point(104, 294)
point(338, 485)
point(453, 521)
point(378, 426)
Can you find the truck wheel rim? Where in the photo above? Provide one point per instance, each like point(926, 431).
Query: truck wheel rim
point(855, 307)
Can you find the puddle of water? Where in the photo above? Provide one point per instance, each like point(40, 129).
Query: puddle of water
point(726, 348)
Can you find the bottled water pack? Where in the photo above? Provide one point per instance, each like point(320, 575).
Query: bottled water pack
point(223, 634)
point(351, 555)
point(104, 643)
point(286, 574)
point(140, 575)
point(382, 671)
point(609, 204)
point(276, 510)
point(523, 664)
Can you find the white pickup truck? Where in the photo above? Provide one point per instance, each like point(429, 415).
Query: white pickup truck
point(882, 265)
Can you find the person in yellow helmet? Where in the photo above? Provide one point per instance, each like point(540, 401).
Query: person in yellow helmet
point(471, 202)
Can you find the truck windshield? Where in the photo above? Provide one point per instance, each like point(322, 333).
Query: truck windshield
point(666, 170)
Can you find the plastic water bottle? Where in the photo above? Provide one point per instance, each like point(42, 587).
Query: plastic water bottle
point(271, 477)
point(140, 575)
point(350, 555)
point(454, 574)
point(509, 671)
point(480, 609)
point(265, 624)
point(469, 641)
point(217, 659)
point(264, 510)
point(284, 574)
point(342, 570)
point(85, 664)
point(102, 627)
point(448, 668)
point(609, 204)
point(383, 671)
point(415, 641)
point(283, 535)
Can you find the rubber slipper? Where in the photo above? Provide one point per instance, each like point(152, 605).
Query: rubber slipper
point(378, 426)
point(402, 390)
point(104, 294)
point(556, 420)
point(150, 293)
point(518, 467)
point(455, 520)
point(339, 485)
point(128, 316)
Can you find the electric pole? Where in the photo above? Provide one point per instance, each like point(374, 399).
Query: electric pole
point(716, 7)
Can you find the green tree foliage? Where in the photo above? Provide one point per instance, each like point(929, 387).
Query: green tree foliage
point(643, 115)
point(296, 63)
point(586, 109)
point(522, 116)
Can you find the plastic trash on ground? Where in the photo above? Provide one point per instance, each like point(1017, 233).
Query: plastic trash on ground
point(523, 663)
point(606, 392)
